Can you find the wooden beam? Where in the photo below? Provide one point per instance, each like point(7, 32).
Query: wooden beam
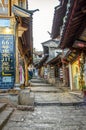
point(78, 13)
point(20, 20)
point(83, 9)
point(78, 17)
point(78, 20)
point(20, 33)
point(21, 30)
point(6, 16)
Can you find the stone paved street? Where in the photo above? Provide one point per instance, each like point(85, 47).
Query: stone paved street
point(49, 113)
point(49, 118)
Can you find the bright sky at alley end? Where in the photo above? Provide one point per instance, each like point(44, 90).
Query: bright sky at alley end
point(42, 20)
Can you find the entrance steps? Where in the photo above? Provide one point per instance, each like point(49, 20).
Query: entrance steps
point(5, 113)
point(39, 82)
point(41, 85)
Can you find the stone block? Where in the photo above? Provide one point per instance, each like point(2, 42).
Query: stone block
point(25, 98)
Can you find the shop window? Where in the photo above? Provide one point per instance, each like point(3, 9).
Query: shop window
point(4, 22)
point(21, 3)
point(5, 7)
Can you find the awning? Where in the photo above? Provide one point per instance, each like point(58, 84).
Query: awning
point(51, 43)
point(21, 11)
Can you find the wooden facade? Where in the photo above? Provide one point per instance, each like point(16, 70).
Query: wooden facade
point(70, 27)
point(17, 23)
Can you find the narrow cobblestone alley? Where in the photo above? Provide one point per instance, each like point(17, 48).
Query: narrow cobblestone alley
point(42, 64)
point(55, 109)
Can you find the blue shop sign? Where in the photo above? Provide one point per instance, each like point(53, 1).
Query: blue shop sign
point(7, 61)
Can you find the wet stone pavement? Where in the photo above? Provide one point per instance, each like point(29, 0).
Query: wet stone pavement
point(58, 110)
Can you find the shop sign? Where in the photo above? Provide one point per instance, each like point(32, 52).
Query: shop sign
point(7, 58)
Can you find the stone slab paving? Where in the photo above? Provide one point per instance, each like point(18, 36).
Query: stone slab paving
point(49, 118)
point(56, 98)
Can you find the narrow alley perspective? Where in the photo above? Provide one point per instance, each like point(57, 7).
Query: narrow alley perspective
point(42, 65)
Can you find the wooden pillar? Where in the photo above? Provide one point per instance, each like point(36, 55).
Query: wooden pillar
point(64, 77)
point(26, 72)
point(70, 77)
point(63, 67)
point(17, 80)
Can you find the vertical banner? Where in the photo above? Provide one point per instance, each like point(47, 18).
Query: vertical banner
point(7, 61)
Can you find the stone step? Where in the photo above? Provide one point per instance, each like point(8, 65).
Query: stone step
point(2, 106)
point(4, 116)
point(38, 81)
point(44, 89)
point(40, 84)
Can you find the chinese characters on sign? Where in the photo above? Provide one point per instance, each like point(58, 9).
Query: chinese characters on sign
point(7, 57)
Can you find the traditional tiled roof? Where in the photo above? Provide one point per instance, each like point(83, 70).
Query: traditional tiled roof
point(51, 43)
point(74, 23)
point(58, 18)
point(55, 60)
point(24, 10)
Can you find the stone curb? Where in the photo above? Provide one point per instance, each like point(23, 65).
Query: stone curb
point(25, 108)
point(2, 106)
point(59, 104)
point(4, 116)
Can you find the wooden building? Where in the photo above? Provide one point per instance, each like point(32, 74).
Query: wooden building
point(70, 27)
point(16, 43)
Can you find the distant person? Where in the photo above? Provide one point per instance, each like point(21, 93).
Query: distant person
point(30, 72)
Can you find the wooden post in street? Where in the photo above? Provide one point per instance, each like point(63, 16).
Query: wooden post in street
point(26, 72)
point(63, 67)
point(17, 80)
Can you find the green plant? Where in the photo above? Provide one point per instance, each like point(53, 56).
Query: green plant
point(83, 87)
point(81, 83)
point(81, 80)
